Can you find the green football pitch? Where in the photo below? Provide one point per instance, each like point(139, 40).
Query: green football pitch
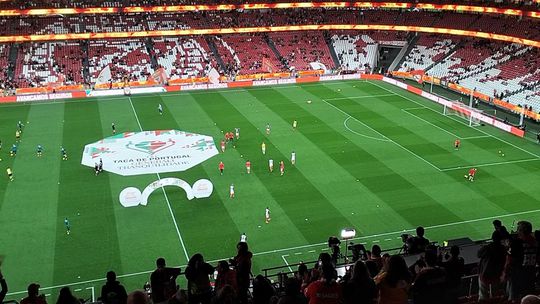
point(369, 156)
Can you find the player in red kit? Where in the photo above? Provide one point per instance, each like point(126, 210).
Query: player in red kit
point(221, 167)
point(457, 143)
point(471, 174)
point(281, 167)
point(248, 167)
point(222, 146)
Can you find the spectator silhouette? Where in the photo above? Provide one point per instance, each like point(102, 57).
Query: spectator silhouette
point(66, 297)
point(225, 276)
point(113, 292)
point(325, 289)
point(263, 291)
point(455, 269)
point(360, 288)
point(490, 267)
point(418, 243)
point(394, 281)
point(163, 282)
point(520, 268)
point(225, 295)
point(292, 293)
point(137, 297)
point(242, 262)
point(430, 285)
point(33, 295)
point(197, 272)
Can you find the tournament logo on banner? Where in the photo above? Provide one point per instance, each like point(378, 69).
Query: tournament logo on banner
point(135, 153)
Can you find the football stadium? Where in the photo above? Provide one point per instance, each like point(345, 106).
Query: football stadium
point(272, 151)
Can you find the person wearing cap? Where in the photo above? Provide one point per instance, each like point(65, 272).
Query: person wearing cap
point(33, 295)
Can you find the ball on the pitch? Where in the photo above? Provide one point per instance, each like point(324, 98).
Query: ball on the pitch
point(241, 155)
point(502, 154)
point(339, 90)
point(309, 101)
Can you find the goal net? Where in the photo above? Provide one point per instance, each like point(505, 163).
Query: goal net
point(464, 112)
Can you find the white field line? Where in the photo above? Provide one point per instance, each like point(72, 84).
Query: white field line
point(491, 164)
point(286, 263)
point(481, 131)
point(434, 125)
point(361, 97)
point(399, 232)
point(164, 193)
point(184, 93)
point(382, 135)
point(360, 134)
point(475, 137)
point(93, 293)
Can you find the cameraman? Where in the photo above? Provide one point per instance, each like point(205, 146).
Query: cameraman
point(418, 243)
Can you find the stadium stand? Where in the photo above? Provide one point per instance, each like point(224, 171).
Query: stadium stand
point(46, 63)
point(245, 53)
point(355, 52)
point(183, 57)
point(126, 58)
point(428, 50)
point(299, 49)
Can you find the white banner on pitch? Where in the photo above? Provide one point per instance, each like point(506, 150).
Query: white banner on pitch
point(131, 196)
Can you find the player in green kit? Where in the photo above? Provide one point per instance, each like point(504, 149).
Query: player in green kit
point(39, 150)
point(64, 153)
point(68, 225)
point(13, 150)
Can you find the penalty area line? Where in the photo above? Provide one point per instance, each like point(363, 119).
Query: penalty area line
point(491, 164)
point(361, 97)
point(180, 238)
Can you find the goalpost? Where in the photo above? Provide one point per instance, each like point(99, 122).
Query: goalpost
point(465, 112)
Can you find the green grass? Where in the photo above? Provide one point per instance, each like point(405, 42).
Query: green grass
point(369, 156)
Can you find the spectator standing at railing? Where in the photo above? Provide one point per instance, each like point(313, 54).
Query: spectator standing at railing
point(490, 268)
point(113, 292)
point(430, 285)
point(455, 269)
point(225, 276)
point(418, 243)
point(242, 262)
point(3, 285)
point(394, 281)
point(163, 281)
point(375, 261)
point(505, 235)
point(520, 268)
point(197, 274)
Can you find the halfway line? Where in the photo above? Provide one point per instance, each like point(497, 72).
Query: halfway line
point(164, 193)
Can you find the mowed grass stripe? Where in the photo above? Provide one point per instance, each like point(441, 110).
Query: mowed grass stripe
point(29, 209)
point(398, 192)
point(492, 145)
point(246, 210)
point(92, 247)
point(141, 222)
point(344, 191)
point(294, 193)
point(195, 216)
point(8, 120)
